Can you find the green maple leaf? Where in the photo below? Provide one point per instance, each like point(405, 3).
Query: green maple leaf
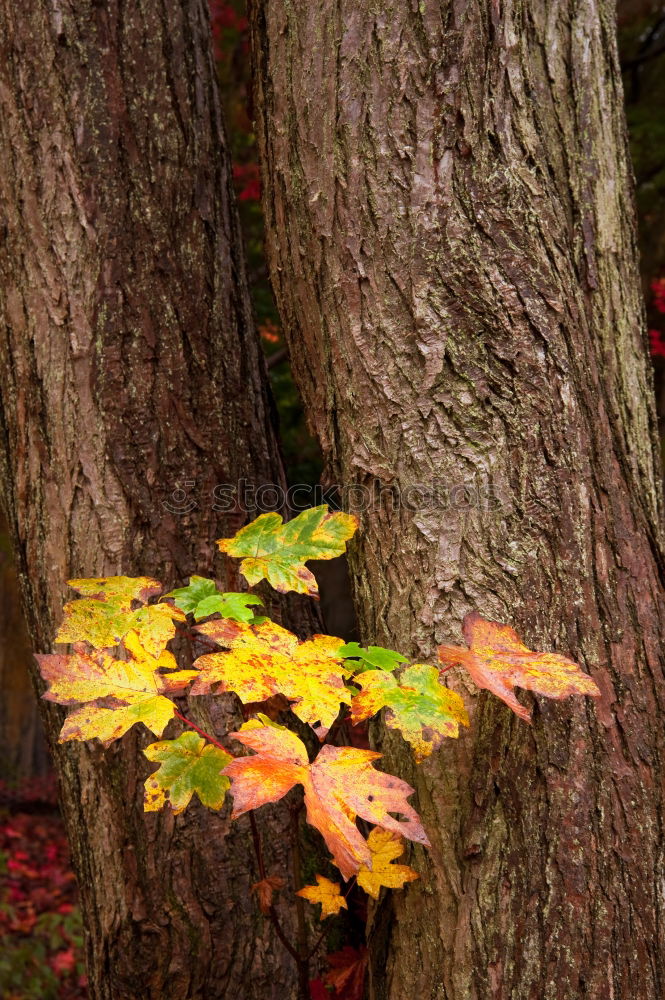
point(278, 552)
point(201, 598)
point(419, 706)
point(188, 765)
point(373, 656)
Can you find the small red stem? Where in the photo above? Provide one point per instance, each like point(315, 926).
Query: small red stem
point(323, 933)
point(256, 839)
point(201, 732)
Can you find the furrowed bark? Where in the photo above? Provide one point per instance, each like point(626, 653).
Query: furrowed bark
point(130, 369)
point(451, 235)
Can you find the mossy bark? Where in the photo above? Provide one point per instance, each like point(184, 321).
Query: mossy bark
point(451, 234)
point(130, 368)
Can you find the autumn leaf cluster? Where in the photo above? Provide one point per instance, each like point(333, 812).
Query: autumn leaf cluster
point(122, 669)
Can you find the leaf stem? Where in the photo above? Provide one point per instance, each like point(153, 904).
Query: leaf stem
point(319, 940)
point(255, 838)
point(303, 953)
point(201, 732)
point(272, 913)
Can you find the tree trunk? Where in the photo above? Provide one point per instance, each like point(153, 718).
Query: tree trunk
point(130, 370)
point(452, 243)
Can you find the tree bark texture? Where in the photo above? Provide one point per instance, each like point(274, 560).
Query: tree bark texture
point(451, 234)
point(130, 368)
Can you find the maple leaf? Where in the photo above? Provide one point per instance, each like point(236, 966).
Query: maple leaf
point(327, 894)
point(201, 598)
point(347, 973)
point(340, 784)
point(278, 552)
point(188, 765)
point(267, 659)
point(419, 706)
point(498, 660)
point(104, 616)
point(373, 656)
point(135, 686)
point(385, 847)
point(104, 624)
point(265, 889)
point(121, 590)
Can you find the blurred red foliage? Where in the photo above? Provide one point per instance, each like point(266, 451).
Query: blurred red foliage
point(40, 926)
point(224, 17)
point(657, 337)
point(247, 181)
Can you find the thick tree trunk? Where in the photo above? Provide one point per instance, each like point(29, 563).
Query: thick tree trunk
point(452, 243)
point(130, 369)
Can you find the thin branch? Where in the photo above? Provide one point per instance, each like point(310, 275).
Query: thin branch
point(297, 881)
point(272, 913)
point(323, 933)
point(638, 60)
point(201, 732)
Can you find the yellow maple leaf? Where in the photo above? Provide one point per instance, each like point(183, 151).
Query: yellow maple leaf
point(385, 846)
point(266, 659)
point(104, 624)
point(327, 894)
point(135, 686)
point(498, 660)
point(120, 590)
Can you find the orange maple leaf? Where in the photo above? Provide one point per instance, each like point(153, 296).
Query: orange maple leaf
point(498, 660)
point(340, 784)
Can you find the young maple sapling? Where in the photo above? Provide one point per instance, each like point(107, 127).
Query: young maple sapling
point(120, 652)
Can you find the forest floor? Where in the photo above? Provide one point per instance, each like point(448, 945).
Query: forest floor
point(41, 937)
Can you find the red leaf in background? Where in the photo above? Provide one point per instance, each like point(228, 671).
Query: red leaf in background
point(657, 343)
point(224, 17)
point(37, 883)
point(658, 292)
point(347, 973)
point(64, 961)
point(317, 990)
point(247, 181)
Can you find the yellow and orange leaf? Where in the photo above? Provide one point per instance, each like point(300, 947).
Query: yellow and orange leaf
point(120, 590)
point(327, 894)
point(385, 847)
point(134, 687)
point(278, 552)
point(498, 660)
point(340, 785)
point(266, 660)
